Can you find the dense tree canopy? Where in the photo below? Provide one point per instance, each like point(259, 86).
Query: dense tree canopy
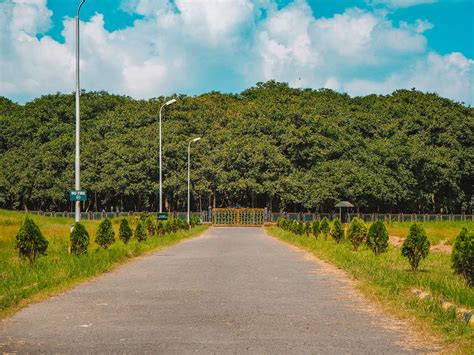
point(271, 145)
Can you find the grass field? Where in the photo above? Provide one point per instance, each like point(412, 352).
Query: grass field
point(437, 232)
point(21, 283)
point(388, 280)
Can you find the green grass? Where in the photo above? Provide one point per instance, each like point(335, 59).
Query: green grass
point(388, 280)
point(436, 231)
point(21, 283)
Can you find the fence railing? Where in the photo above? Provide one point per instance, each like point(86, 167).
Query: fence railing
point(206, 216)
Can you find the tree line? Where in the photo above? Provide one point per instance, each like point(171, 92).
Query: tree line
point(269, 146)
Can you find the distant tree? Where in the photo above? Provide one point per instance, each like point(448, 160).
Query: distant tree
point(140, 233)
point(357, 232)
point(337, 231)
point(79, 239)
point(30, 241)
point(325, 227)
point(416, 245)
point(377, 239)
point(125, 232)
point(462, 257)
point(105, 234)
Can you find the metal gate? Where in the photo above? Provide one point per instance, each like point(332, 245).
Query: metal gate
point(238, 217)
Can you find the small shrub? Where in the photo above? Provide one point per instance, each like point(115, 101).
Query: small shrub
point(462, 257)
point(307, 228)
point(30, 242)
point(149, 226)
point(315, 228)
point(337, 231)
point(125, 232)
point(105, 234)
point(300, 228)
point(377, 239)
point(416, 245)
point(140, 233)
point(325, 227)
point(79, 239)
point(357, 232)
point(160, 228)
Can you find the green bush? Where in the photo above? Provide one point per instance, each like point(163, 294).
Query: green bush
point(149, 226)
point(140, 233)
point(357, 232)
point(377, 239)
point(307, 228)
point(337, 231)
point(160, 228)
point(125, 232)
point(300, 228)
point(316, 229)
point(79, 239)
point(416, 245)
point(30, 242)
point(462, 257)
point(325, 227)
point(105, 234)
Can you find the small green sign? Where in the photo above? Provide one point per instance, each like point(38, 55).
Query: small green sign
point(78, 195)
point(162, 216)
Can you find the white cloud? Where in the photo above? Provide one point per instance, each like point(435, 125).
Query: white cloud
point(191, 46)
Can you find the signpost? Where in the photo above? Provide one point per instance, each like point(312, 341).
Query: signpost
point(162, 216)
point(78, 195)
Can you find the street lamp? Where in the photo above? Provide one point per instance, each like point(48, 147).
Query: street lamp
point(78, 121)
point(172, 101)
point(189, 174)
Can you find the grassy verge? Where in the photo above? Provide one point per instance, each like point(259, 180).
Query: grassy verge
point(388, 280)
point(21, 283)
point(437, 231)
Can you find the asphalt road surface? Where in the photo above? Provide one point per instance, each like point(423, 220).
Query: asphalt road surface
point(232, 290)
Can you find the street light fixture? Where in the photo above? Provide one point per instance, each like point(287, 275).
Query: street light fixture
point(78, 121)
point(167, 103)
point(189, 174)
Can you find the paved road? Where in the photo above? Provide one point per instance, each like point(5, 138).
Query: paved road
point(232, 290)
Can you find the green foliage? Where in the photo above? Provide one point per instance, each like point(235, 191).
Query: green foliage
point(308, 228)
point(325, 227)
point(377, 239)
point(295, 149)
point(30, 241)
point(337, 230)
point(125, 232)
point(315, 228)
point(140, 232)
point(160, 228)
point(357, 232)
point(79, 239)
point(195, 221)
point(105, 234)
point(149, 226)
point(462, 258)
point(416, 245)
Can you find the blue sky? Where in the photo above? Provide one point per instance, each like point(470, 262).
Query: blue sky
point(147, 48)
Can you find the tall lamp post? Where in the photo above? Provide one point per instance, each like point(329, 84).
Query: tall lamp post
point(172, 101)
point(78, 121)
point(189, 175)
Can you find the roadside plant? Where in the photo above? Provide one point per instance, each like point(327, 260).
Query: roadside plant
point(160, 228)
point(79, 239)
point(462, 258)
point(357, 232)
point(149, 226)
point(377, 239)
point(308, 228)
point(316, 229)
point(325, 227)
point(416, 245)
point(337, 231)
point(300, 229)
point(30, 242)
point(105, 234)
point(140, 233)
point(125, 232)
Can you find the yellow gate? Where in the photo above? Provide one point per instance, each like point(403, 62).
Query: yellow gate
point(238, 217)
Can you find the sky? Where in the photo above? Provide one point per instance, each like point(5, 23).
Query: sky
point(149, 48)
